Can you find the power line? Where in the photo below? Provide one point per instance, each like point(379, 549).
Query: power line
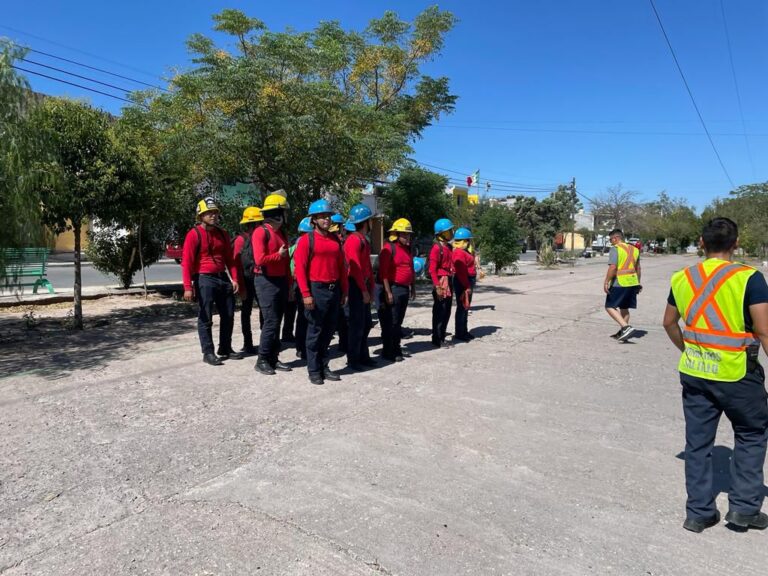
point(72, 84)
point(492, 180)
point(736, 86)
point(126, 90)
point(140, 71)
point(688, 88)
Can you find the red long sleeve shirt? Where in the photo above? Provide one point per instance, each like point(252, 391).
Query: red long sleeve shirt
point(464, 265)
point(326, 265)
point(358, 253)
point(210, 252)
point(397, 268)
point(267, 255)
point(440, 262)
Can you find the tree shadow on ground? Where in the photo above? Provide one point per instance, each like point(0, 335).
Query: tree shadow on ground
point(483, 287)
point(51, 349)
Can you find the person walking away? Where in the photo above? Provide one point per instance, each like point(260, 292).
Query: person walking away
point(724, 308)
point(209, 274)
point(441, 273)
point(396, 285)
point(270, 251)
point(321, 275)
point(622, 283)
point(246, 268)
point(361, 284)
point(463, 282)
point(305, 226)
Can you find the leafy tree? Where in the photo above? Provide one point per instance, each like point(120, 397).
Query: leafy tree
point(119, 252)
point(747, 206)
point(541, 221)
point(309, 112)
point(498, 236)
point(84, 179)
point(18, 145)
point(418, 195)
point(614, 208)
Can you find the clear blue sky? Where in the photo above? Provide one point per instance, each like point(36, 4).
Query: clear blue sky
point(548, 89)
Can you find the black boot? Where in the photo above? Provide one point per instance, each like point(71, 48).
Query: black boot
point(212, 359)
point(264, 367)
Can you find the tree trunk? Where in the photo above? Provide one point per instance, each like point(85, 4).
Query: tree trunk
point(141, 260)
point(78, 301)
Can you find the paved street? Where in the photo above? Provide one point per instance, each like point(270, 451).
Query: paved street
point(543, 447)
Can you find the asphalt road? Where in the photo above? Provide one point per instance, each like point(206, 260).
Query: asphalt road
point(542, 447)
point(63, 275)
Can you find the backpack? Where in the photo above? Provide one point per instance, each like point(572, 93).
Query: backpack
point(246, 255)
point(392, 247)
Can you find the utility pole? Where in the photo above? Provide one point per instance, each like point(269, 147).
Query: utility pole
point(573, 215)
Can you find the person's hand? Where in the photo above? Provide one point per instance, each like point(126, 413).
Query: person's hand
point(390, 297)
point(309, 303)
point(606, 287)
point(188, 295)
point(413, 293)
point(343, 300)
point(283, 251)
point(235, 287)
point(639, 288)
point(439, 291)
point(366, 297)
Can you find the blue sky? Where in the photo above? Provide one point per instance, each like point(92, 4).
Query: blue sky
point(548, 89)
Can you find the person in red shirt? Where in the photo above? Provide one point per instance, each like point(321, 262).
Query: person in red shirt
point(357, 249)
point(321, 276)
point(270, 252)
point(209, 274)
point(246, 268)
point(396, 284)
point(441, 273)
point(463, 282)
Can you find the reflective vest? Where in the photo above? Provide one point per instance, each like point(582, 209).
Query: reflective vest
point(626, 271)
point(710, 299)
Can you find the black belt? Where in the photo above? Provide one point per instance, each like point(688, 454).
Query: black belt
point(401, 285)
point(222, 275)
point(328, 285)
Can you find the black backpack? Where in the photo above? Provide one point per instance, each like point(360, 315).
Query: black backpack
point(246, 255)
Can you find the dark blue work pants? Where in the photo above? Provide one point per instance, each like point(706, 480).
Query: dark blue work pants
point(462, 314)
point(441, 316)
point(744, 404)
point(272, 293)
point(391, 318)
point(247, 309)
point(321, 324)
point(360, 324)
point(215, 290)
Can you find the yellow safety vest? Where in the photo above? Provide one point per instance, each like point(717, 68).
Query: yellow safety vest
point(626, 271)
point(710, 299)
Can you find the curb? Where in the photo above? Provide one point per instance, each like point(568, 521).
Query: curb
point(11, 300)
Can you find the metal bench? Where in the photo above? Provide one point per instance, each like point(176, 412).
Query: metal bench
point(22, 265)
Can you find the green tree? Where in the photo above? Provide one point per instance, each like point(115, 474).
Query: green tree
point(418, 195)
point(310, 112)
point(19, 202)
point(84, 179)
point(747, 206)
point(498, 236)
point(540, 221)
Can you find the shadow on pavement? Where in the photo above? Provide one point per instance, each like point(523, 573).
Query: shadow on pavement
point(481, 331)
point(481, 288)
point(53, 351)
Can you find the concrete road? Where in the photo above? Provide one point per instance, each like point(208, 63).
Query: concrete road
point(63, 276)
point(543, 447)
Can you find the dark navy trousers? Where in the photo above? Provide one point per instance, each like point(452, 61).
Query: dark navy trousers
point(462, 314)
point(272, 293)
point(247, 309)
point(321, 324)
point(360, 324)
point(744, 404)
point(391, 318)
point(215, 290)
point(441, 316)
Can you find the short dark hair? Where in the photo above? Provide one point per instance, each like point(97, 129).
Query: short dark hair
point(615, 232)
point(720, 234)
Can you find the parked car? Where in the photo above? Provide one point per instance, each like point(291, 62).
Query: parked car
point(174, 249)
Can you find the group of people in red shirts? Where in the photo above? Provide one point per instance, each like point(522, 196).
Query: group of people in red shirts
point(323, 283)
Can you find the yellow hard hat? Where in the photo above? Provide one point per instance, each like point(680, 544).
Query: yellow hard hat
point(401, 225)
point(252, 214)
point(206, 205)
point(274, 202)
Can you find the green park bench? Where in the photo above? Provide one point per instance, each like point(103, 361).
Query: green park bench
point(26, 267)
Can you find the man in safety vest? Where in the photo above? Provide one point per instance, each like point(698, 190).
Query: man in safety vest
point(622, 283)
point(724, 307)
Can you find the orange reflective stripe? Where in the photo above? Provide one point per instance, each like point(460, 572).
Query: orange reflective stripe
point(629, 264)
point(710, 299)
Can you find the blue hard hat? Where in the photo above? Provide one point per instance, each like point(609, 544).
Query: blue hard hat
point(305, 225)
point(462, 234)
point(349, 227)
point(442, 225)
point(418, 264)
point(320, 207)
point(337, 218)
point(359, 213)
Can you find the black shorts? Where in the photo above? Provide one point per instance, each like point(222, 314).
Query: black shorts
point(622, 297)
